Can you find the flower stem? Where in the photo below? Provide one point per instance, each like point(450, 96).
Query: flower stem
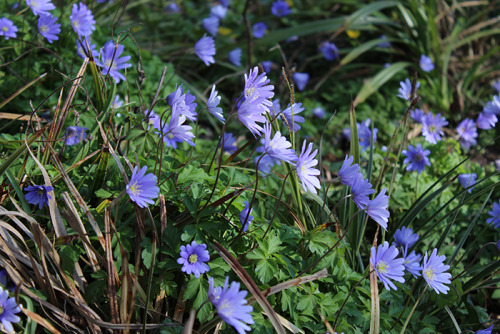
point(413, 310)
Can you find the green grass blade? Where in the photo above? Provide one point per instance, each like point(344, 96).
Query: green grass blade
point(372, 85)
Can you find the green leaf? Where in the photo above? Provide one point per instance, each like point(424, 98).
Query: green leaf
point(102, 193)
point(266, 270)
point(191, 173)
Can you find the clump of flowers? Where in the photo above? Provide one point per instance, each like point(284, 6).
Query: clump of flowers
point(193, 258)
point(142, 187)
point(38, 195)
point(231, 304)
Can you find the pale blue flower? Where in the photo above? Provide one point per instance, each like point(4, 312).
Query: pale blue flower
point(48, 27)
point(433, 271)
point(405, 89)
point(205, 50)
point(211, 25)
point(259, 29)
point(308, 175)
point(82, 20)
point(235, 57)
point(193, 258)
point(426, 63)
point(142, 187)
point(231, 305)
point(7, 28)
point(300, 80)
point(386, 265)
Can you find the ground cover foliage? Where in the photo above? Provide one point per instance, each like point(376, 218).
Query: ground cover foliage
point(239, 166)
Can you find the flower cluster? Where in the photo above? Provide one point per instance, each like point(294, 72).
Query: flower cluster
point(350, 175)
point(256, 95)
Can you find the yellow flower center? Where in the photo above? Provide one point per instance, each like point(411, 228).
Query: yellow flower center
point(250, 91)
point(226, 308)
point(193, 258)
point(382, 267)
point(432, 128)
point(44, 28)
point(4, 28)
point(1, 310)
point(134, 188)
point(429, 273)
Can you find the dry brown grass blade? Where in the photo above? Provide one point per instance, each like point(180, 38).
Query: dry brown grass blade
point(250, 284)
point(56, 129)
point(41, 321)
point(18, 117)
point(188, 326)
point(47, 285)
point(19, 91)
point(110, 268)
point(114, 155)
point(77, 224)
point(163, 215)
point(180, 306)
point(375, 299)
point(289, 325)
point(296, 219)
point(70, 168)
point(290, 283)
point(55, 215)
point(77, 197)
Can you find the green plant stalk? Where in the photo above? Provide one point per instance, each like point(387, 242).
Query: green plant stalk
point(100, 174)
point(150, 282)
point(352, 235)
point(412, 310)
point(99, 96)
point(20, 150)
